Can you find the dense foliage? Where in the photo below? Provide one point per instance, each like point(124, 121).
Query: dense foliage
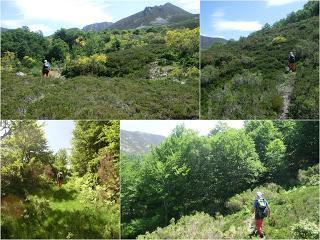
point(294, 216)
point(133, 73)
point(188, 172)
point(87, 204)
point(247, 79)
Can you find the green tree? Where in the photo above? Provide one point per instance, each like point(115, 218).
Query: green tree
point(305, 145)
point(24, 152)
point(275, 159)
point(92, 139)
point(61, 159)
point(24, 43)
point(235, 165)
point(68, 35)
point(58, 50)
point(262, 133)
point(220, 127)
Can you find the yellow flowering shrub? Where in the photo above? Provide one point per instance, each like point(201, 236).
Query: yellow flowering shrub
point(99, 58)
point(28, 61)
point(80, 41)
point(279, 39)
point(8, 61)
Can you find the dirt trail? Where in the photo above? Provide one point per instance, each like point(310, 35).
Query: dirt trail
point(286, 94)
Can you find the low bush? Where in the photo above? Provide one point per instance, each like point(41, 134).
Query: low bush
point(309, 176)
point(305, 230)
point(279, 40)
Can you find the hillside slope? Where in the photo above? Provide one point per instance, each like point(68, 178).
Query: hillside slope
point(167, 14)
point(287, 207)
point(244, 79)
point(138, 142)
point(97, 26)
point(206, 42)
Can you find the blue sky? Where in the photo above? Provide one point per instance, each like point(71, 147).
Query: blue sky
point(232, 19)
point(58, 133)
point(50, 15)
point(165, 127)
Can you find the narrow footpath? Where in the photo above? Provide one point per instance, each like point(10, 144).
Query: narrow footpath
point(286, 94)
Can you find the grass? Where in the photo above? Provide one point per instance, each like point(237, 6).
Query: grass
point(89, 97)
point(59, 213)
point(287, 208)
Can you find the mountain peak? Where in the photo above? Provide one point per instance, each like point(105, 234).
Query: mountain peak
point(162, 15)
point(167, 14)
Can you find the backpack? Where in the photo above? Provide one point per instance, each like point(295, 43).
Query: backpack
point(46, 66)
point(262, 208)
point(291, 59)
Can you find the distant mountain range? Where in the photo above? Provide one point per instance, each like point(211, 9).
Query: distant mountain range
point(163, 15)
point(206, 42)
point(138, 142)
point(3, 29)
point(97, 26)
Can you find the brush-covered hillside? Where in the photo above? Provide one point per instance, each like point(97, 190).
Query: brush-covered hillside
point(294, 215)
point(247, 79)
point(189, 173)
point(149, 73)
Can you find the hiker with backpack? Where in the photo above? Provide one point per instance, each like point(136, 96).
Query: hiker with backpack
point(45, 68)
point(59, 179)
point(291, 62)
point(261, 210)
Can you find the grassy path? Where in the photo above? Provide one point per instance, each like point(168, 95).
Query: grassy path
point(58, 213)
point(287, 91)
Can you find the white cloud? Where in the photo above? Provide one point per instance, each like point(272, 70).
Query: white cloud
point(190, 5)
point(80, 12)
point(39, 27)
point(279, 2)
point(245, 26)
point(11, 23)
point(218, 13)
point(219, 36)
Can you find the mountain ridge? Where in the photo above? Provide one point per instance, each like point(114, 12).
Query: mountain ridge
point(162, 15)
point(97, 26)
point(206, 42)
point(138, 142)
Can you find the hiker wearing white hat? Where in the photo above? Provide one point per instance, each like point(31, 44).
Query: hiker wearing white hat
point(45, 68)
point(261, 210)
